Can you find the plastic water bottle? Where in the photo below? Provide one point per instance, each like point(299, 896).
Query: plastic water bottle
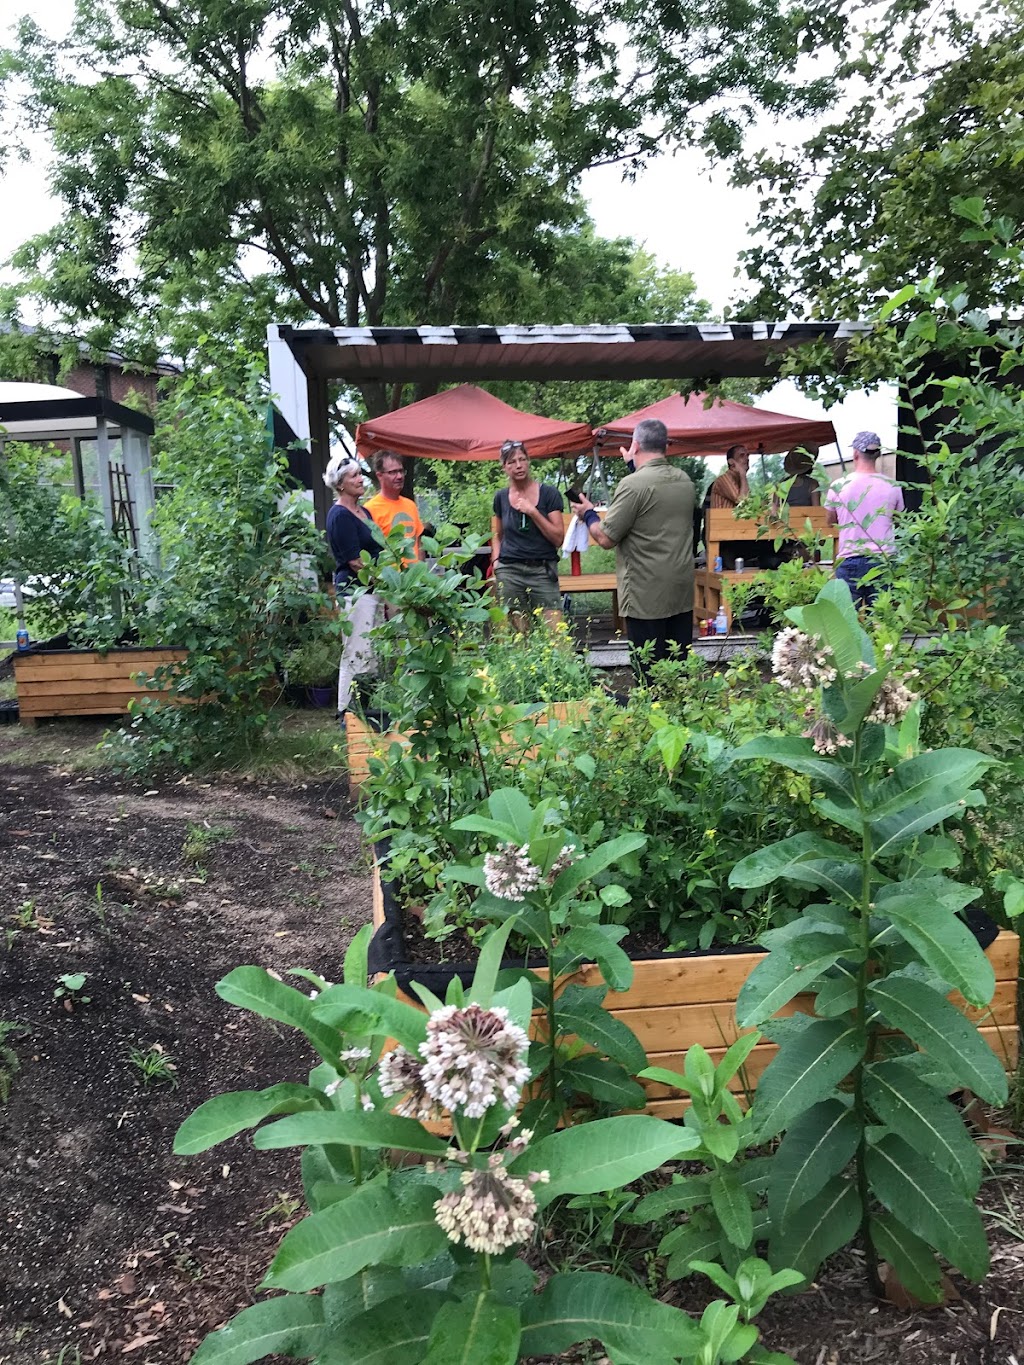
point(721, 622)
point(22, 638)
point(718, 563)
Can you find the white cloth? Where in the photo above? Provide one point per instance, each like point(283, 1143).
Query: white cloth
point(577, 537)
point(357, 656)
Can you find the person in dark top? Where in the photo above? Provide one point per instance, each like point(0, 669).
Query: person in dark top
point(803, 491)
point(350, 531)
point(526, 537)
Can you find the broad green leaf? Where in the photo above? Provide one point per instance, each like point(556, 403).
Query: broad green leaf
point(837, 994)
point(935, 778)
point(603, 856)
point(775, 981)
point(688, 1193)
point(829, 621)
point(511, 1281)
point(940, 1030)
point(391, 1332)
point(735, 1057)
point(605, 1080)
point(603, 1155)
point(290, 1325)
point(362, 1291)
point(732, 1207)
point(354, 1128)
point(804, 1071)
point(362, 1010)
point(699, 1240)
point(922, 1197)
point(798, 755)
point(225, 1115)
point(594, 1025)
point(369, 1228)
point(630, 1325)
point(943, 941)
point(489, 964)
point(253, 988)
point(817, 1229)
point(480, 824)
point(510, 807)
point(474, 1331)
point(789, 859)
point(912, 1259)
point(817, 1147)
point(356, 957)
point(592, 943)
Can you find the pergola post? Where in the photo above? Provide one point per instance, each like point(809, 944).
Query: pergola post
point(103, 472)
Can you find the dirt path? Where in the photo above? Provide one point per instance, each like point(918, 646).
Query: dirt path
point(111, 1244)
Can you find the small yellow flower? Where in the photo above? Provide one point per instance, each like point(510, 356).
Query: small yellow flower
point(710, 833)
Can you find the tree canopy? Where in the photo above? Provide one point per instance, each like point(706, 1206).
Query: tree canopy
point(865, 205)
point(222, 163)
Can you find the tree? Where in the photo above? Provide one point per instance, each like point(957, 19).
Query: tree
point(864, 205)
point(357, 161)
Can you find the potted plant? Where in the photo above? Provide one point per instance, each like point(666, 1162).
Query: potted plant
point(311, 672)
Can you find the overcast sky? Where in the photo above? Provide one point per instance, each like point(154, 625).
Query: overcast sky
point(688, 218)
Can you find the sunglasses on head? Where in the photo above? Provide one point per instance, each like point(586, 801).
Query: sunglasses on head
point(509, 446)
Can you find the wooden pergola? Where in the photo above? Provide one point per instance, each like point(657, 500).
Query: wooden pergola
point(306, 361)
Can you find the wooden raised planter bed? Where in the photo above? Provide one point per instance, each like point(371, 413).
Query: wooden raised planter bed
point(84, 682)
point(361, 741)
point(678, 1000)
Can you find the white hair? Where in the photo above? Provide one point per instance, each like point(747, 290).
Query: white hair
point(339, 467)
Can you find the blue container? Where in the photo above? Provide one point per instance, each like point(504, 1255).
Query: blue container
point(22, 638)
point(718, 563)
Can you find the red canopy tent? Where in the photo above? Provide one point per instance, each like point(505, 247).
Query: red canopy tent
point(694, 429)
point(468, 424)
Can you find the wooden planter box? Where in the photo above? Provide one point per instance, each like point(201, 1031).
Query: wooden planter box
point(84, 682)
point(361, 741)
point(678, 1000)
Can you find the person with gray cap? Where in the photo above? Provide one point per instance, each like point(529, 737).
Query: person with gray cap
point(862, 505)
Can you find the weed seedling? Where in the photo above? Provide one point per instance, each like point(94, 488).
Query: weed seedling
point(155, 1065)
point(69, 989)
point(9, 1064)
point(281, 1210)
point(199, 839)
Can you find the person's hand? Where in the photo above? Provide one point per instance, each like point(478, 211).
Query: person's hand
point(518, 502)
point(583, 505)
point(629, 454)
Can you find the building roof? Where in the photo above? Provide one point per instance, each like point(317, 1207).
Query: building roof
point(701, 350)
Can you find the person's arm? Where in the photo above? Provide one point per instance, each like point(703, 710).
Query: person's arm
point(831, 510)
point(495, 539)
point(815, 497)
point(620, 517)
point(343, 538)
point(549, 524)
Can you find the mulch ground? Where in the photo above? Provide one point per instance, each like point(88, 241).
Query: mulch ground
point(112, 1247)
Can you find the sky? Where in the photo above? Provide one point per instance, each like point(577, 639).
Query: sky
point(688, 217)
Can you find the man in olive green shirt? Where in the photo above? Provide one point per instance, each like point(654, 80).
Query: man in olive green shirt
point(650, 527)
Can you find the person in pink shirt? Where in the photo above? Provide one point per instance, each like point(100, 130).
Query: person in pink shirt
point(862, 505)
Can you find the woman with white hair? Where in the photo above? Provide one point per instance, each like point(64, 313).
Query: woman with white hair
point(350, 531)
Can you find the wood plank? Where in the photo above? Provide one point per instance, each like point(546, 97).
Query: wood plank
point(587, 582)
point(94, 669)
point(72, 687)
point(46, 667)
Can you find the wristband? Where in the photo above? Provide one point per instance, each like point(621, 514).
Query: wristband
point(590, 517)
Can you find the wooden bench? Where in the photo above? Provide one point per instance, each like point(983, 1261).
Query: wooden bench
point(594, 582)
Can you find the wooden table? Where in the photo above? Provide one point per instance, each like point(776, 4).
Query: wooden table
point(594, 582)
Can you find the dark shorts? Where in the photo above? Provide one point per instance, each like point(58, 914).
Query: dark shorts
point(527, 587)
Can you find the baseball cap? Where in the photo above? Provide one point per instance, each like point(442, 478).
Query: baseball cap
point(867, 441)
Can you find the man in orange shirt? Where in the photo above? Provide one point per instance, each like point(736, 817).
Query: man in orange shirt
point(388, 508)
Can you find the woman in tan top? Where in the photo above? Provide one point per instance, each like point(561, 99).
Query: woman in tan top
point(731, 487)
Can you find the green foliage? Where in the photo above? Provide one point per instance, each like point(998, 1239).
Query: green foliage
point(557, 909)
point(541, 665)
point(78, 577)
point(371, 1274)
point(155, 1065)
point(236, 583)
point(10, 1065)
point(871, 1144)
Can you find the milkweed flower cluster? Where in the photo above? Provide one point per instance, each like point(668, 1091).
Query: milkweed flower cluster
point(824, 736)
point(894, 700)
point(492, 1210)
point(798, 661)
point(509, 873)
point(472, 1059)
point(400, 1073)
point(569, 855)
